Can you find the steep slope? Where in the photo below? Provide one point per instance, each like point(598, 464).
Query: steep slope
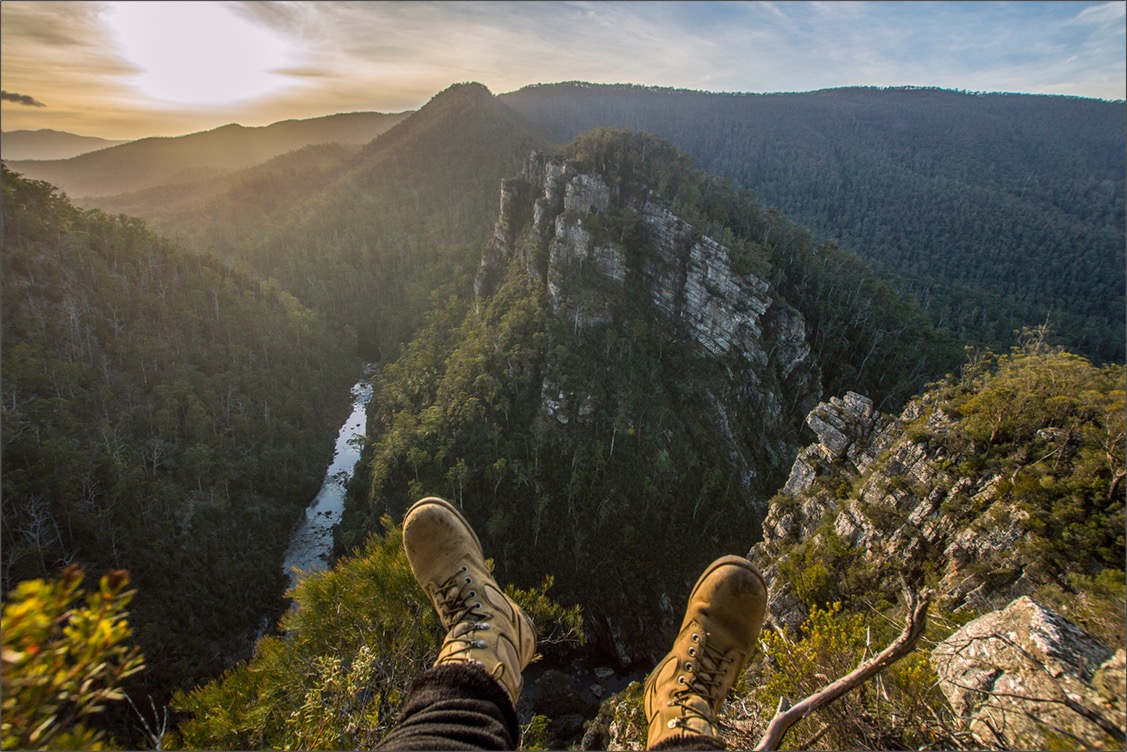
point(987, 487)
point(626, 375)
point(366, 237)
point(49, 144)
point(161, 413)
point(152, 162)
point(995, 211)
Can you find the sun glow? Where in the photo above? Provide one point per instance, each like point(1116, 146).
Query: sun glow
point(198, 53)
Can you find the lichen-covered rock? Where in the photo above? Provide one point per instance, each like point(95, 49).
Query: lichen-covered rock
point(1025, 678)
point(1111, 682)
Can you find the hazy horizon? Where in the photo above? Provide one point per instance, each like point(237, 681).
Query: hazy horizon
point(129, 70)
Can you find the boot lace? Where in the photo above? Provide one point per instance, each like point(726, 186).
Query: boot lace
point(704, 674)
point(460, 610)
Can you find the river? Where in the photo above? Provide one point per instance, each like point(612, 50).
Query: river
point(312, 542)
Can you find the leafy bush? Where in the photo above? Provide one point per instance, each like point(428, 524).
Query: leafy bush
point(900, 708)
point(356, 637)
point(65, 655)
point(1053, 426)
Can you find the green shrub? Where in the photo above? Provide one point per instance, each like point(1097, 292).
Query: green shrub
point(357, 636)
point(65, 654)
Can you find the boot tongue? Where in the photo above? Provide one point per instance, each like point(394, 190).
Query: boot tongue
point(695, 705)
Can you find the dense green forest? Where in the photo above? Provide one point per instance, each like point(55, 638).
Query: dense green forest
point(995, 211)
point(162, 414)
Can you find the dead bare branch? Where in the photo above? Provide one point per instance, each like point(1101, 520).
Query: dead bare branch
point(900, 647)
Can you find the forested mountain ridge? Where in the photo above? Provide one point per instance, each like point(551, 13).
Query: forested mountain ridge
point(49, 144)
point(995, 211)
point(162, 413)
point(363, 236)
point(152, 162)
point(177, 208)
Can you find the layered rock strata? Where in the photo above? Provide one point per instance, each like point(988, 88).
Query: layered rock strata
point(890, 498)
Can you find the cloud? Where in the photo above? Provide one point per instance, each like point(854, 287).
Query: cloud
point(193, 53)
point(11, 96)
point(394, 56)
point(1103, 14)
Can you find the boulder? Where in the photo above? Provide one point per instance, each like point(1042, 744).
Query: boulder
point(1025, 677)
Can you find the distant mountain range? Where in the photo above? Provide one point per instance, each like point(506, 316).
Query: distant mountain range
point(994, 211)
point(49, 144)
point(151, 162)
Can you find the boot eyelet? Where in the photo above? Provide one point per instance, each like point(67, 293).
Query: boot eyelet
point(693, 652)
point(688, 665)
point(672, 723)
point(469, 580)
point(680, 680)
point(477, 605)
point(464, 569)
point(696, 637)
point(473, 593)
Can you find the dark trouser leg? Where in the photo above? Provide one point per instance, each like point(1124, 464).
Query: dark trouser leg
point(455, 706)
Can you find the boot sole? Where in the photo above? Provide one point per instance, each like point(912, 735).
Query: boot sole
point(435, 501)
point(733, 560)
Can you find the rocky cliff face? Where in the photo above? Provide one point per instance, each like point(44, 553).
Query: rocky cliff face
point(659, 347)
point(549, 217)
point(598, 248)
point(895, 504)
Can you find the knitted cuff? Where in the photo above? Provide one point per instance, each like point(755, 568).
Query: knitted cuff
point(690, 741)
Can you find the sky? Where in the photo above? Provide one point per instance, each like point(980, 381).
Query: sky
point(133, 69)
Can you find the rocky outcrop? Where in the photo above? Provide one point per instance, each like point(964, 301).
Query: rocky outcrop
point(925, 497)
point(893, 494)
point(689, 279)
point(595, 245)
point(1025, 677)
point(849, 430)
point(556, 219)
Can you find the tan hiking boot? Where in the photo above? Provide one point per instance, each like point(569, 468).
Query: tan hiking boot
point(483, 625)
point(722, 622)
